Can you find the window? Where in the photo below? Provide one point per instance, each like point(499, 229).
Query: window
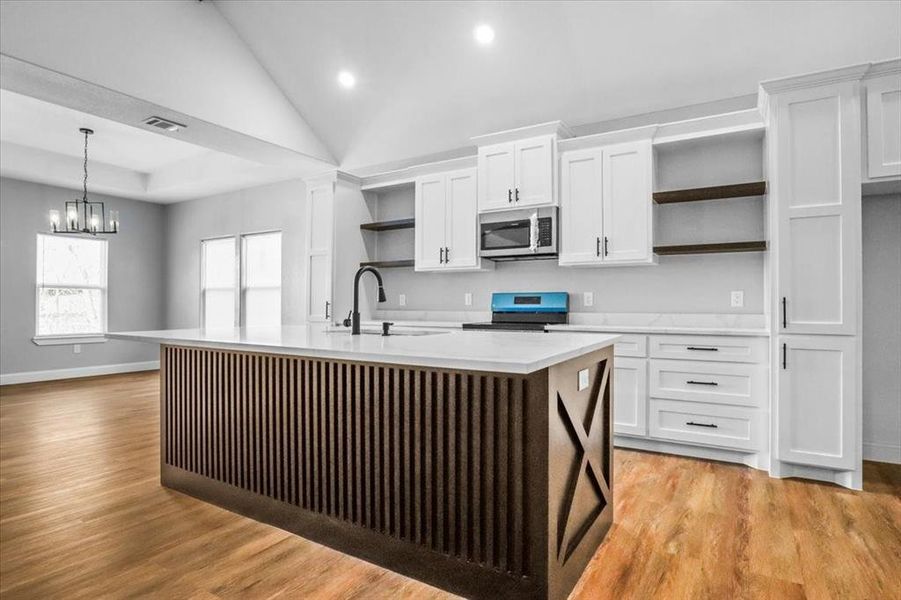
point(218, 285)
point(261, 284)
point(258, 268)
point(70, 294)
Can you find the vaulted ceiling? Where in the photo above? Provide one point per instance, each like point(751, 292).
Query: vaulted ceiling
point(425, 87)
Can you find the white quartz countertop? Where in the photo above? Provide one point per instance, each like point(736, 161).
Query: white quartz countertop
point(664, 329)
point(505, 352)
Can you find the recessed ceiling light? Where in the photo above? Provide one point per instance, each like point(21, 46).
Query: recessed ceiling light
point(347, 79)
point(484, 34)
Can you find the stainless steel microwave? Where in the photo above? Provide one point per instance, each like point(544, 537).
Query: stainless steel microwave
point(521, 234)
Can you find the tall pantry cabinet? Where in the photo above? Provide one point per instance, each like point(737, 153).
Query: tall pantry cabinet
point(814, 172)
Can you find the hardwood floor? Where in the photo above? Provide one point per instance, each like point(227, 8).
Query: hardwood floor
point(82, 515)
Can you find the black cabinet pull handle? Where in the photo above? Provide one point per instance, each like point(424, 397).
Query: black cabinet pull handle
point(440, 255)
point(509, 196)
point(692, 423)
point(606, 241)
point(598, 247)
point(701, 382)
point(517, 194)
point(784, 314)
point(784, 356)
point(446, 254)
point(703, 349)
point(327, 304)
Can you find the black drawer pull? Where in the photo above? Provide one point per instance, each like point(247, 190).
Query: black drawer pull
point(711, 425)
point(702, 348)
point(701, 382)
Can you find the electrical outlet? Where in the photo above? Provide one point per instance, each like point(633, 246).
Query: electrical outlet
point(402, 300)
point(467, 298)
point(583, 380)
point(587, 298)
point(738, 299)
point(76, 348)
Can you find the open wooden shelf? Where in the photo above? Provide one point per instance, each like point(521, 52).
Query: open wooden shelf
point(755, 246)
point(388, 264)
point(389, 225)
point(718, 192)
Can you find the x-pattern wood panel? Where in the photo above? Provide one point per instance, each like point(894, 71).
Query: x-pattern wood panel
point(587, 470)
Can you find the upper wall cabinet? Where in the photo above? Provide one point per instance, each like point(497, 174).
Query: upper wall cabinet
point(517, 174)
point(884, 126)
point(816, 186)
point(447, 222)
point(605, 205)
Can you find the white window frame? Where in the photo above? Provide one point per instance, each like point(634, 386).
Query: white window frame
point(203, 288)
point(75, 338)
point(240, 270)
point(242, 287)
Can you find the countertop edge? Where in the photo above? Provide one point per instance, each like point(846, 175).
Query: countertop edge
point(521, 368)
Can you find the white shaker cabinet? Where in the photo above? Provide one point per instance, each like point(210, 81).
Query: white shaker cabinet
point(516, 174)
point(605, 205)
point(816, 188)
point(320, 237)
point(883, 127)
point(817, 406)
point(630, 401)
point(447, 222)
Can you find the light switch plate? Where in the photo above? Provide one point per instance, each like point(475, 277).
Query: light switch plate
point(467, 298)
point(402, 300)
point(738, 299)
point(583, 379)
point(588, 298)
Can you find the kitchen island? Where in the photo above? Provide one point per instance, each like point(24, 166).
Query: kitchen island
point(478, 462)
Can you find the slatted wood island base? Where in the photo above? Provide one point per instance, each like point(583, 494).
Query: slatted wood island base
point(486, 484)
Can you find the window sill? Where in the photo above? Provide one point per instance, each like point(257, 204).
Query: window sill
point(63, 340)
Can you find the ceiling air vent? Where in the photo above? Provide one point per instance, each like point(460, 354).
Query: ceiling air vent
point(163, 123)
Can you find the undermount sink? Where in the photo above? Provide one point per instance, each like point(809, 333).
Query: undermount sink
point(369, 331)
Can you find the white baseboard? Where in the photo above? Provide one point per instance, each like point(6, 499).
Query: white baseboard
point(882, 453)
point(51, 375)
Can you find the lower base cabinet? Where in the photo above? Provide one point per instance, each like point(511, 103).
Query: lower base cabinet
point(816, 390)
point(630, 395)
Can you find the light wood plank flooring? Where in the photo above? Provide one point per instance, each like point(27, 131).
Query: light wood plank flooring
point(82, 515)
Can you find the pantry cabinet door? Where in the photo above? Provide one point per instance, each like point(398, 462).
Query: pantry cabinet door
point(462, 220)
point(534, 176)
point(320, 243)
point(627, 176)
point(430, 222)
point(816, 194)
point(581, 207)
point(817, 414)
point(496, 176)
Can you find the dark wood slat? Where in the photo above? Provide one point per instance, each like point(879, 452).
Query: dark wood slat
point(389, 225)
point(502, 474)
point(388, 264)
point(716, 248)
point(718, 192)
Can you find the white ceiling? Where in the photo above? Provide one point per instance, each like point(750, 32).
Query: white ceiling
point(45, 126)
point(40, 142)
point(424, 86)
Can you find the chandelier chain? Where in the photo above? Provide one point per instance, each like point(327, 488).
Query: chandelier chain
point(85, 195)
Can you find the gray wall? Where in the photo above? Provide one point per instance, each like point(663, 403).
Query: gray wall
point(136, 282)
point(882, 326)
point(279, 206)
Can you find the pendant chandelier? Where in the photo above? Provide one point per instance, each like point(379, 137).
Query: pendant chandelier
point(83, 216)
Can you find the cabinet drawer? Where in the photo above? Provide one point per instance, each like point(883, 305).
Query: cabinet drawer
point(710, 348)
point(717, 383)
point(631, 344)
point(706, 424)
